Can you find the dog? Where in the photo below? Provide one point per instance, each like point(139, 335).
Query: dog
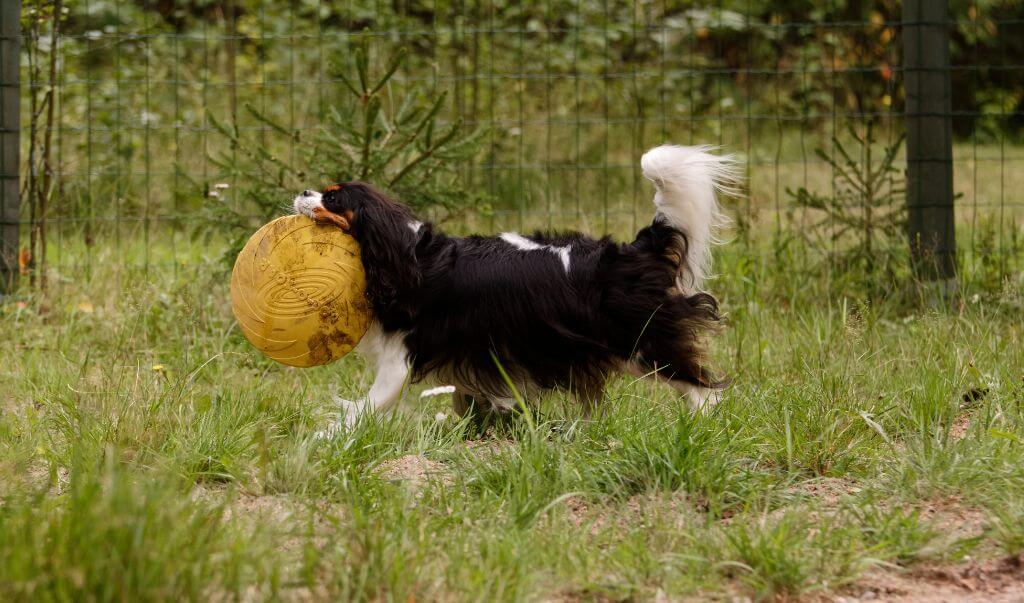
point(508, 317)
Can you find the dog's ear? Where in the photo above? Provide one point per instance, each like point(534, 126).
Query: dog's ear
point(388, 246)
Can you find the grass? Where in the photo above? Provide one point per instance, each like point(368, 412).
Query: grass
point(148, 452)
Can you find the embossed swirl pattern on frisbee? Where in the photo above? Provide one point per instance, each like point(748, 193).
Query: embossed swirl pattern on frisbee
point(293, 293)
point(301, 292)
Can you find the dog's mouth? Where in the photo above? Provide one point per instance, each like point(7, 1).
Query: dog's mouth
point(310, 203)
point(323, 216)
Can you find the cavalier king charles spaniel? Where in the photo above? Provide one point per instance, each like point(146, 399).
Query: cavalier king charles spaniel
point(513, 315)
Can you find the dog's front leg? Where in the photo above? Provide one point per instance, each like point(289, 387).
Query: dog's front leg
point(392, 375)
point(390, 357)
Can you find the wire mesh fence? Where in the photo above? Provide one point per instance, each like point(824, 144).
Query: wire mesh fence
point(144, 125)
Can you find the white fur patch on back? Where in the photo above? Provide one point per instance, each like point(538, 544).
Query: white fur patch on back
point(522, 243)
point(563, 254)
point(415, 225)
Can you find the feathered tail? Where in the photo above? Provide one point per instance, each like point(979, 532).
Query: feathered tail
point(688, 180)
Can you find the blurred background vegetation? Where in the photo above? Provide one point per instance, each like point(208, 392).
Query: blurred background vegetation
point(178, 127)
point(148, 451)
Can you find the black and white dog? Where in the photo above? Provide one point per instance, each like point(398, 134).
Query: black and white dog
point(549, 310)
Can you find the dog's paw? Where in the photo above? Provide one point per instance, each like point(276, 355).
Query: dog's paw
point(703, 399)
point(348, 414)
point(331, 431)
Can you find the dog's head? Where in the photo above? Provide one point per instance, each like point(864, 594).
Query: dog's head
point(352, 206)
point(385, 230)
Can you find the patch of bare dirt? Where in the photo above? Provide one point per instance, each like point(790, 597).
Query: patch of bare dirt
point(38, 475)
point(284, 514)
point(680, 506)
point(414, 470)
point(275, 507)
point(279, 508)
point(417, 470)
point(485, 449)
point(827, 491)
point(820, 496)
point(970, 401)
point(961, 424)
point(578, 510)
point(953, 517)
point(998, 580)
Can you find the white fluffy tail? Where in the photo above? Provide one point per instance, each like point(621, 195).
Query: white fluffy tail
point(687, 181)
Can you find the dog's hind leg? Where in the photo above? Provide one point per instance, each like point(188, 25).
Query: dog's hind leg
point(698, 397)
point(588, 394)
point(671, 348)
point(482, 412)
point(466, 404)
point(701, 398)
point(461, 402)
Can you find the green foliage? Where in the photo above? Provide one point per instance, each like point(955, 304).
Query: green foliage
point(112, 537)
point(828, 437)
point(771, 557)
point(572, 93)
point(1008, 526)
point(147, 450)
point(669, 455)
point(995, 254)
point(393, 139)
point(895, 533)
point(730, 34)
point(859, 225)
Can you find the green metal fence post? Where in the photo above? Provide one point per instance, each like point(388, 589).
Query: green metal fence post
point(930, 218)
point(10, 19)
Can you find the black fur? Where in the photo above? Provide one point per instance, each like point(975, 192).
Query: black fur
point(464, 303)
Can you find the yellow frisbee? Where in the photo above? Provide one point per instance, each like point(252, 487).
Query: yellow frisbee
point(298, 290)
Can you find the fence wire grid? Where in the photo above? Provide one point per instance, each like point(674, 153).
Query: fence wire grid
point(124, 108)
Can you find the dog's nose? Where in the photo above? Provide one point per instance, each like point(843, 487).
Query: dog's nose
point(307, 193)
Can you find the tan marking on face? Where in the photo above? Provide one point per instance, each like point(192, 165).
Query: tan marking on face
point(322, 215)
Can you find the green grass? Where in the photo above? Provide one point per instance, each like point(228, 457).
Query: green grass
point(148, 452)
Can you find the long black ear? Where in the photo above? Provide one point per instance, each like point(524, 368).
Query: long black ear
point(388, 247)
